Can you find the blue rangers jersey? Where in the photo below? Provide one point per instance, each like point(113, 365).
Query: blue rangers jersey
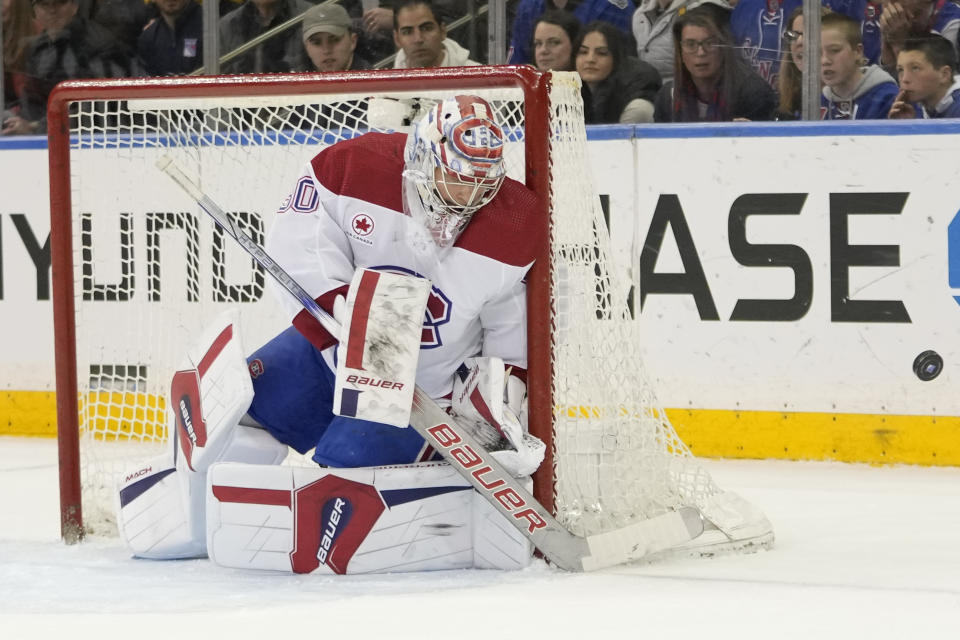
point(871, 100)
point(948, 107)
point(758, 27)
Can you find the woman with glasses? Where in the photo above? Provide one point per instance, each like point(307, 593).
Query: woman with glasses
point(617, 88)
point(651, 29)
point(712, 82)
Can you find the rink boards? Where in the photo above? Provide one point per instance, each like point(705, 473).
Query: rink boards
point(785, 278)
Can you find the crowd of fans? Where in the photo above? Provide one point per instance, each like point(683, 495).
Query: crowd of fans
point(655, 61)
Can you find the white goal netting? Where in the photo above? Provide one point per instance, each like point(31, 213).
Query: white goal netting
point(149, 269)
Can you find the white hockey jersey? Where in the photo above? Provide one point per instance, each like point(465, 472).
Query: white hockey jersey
point(347, 212)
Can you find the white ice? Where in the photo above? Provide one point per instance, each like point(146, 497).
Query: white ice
point(861, 552)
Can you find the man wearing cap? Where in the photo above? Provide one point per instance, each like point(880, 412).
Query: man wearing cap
point(330, 39)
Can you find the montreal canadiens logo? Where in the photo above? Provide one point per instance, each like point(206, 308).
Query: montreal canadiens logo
point(256, 368)
point(362, 224)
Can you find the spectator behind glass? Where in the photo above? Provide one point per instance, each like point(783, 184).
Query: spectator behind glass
point(712, 82)
point(758, 27)
point(616, 87)
point(616, 12)
point(281, 53)
point(652, 30)
point(69, 47)
point(421, 38)
point(851, 91)
point(790, 80)
point(927, 67)
point(376, 25)
point(330, 40)
point(912, 18)
point(373, 24)
point(18, 27)
point(125, 19)
point(172, 43)
point(553, 38)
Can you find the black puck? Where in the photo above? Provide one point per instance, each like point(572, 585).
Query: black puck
point(928, 365)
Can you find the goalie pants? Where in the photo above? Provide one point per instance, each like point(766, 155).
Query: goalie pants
point(293, 399)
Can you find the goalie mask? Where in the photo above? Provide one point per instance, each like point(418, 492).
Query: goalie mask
point(454, 159)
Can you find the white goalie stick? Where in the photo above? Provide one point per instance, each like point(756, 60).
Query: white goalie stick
point(508, 496)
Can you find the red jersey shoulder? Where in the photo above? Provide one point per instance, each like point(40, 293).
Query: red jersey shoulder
point(509, 228)
point(368, 167)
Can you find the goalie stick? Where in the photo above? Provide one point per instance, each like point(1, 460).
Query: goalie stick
point(461, 449)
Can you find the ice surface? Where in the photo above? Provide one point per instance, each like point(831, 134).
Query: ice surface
point(861, 552)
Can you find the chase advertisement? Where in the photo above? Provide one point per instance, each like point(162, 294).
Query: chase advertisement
point(807, 269)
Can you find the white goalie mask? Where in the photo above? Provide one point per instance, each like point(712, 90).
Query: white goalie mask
point(454, 159)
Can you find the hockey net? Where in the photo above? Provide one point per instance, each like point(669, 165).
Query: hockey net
point(139, 270)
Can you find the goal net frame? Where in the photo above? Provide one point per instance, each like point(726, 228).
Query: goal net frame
point(534, 87)
point(613, 458)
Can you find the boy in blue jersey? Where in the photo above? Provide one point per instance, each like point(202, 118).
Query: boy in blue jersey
point(926, 67)
point(850, 91)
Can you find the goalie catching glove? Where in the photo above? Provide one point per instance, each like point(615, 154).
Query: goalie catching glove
point(490, 403)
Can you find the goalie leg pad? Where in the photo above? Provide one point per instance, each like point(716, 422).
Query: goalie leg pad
point(161, 505)
point(371, 520)
point(210, 392)
point(154, 513)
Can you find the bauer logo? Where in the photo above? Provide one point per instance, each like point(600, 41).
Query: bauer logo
point(334, 517)
point(373, 382)
point(186, 413)
point(191, 430)
point(486, 479)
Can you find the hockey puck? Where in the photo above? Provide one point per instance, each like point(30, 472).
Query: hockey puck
point(928, 365)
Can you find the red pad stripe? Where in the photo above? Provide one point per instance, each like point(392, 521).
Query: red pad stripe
point(476, 399)
point(358, 321)
point(517, 372)
point(247, 495)
point(215, 349)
